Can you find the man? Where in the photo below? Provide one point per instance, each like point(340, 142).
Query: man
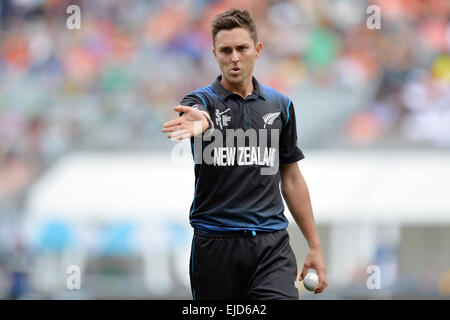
point(240, 248)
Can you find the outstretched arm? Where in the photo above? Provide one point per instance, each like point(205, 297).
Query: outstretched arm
point(296, 194)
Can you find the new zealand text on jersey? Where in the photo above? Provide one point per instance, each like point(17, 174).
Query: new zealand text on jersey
point(244, 156)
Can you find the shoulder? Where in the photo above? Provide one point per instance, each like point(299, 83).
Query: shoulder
point(205, 94)
point(275, 96)
point(206, 91)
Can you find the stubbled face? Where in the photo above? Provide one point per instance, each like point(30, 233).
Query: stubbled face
point(236, 52)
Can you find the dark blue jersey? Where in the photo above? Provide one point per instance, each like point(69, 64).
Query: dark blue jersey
point(232, 192)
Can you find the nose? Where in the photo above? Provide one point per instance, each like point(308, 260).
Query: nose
point(234, 56)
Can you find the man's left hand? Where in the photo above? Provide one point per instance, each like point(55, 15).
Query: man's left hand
point(314, 260)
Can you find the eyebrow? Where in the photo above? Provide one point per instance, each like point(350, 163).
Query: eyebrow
point(239, 45)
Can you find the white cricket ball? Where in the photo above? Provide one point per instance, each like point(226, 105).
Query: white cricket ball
point(311, 280)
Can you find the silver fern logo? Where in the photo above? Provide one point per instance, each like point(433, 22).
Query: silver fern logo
point(270, 118)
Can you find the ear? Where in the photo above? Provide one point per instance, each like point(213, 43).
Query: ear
point(258, 49)
point(214, 52)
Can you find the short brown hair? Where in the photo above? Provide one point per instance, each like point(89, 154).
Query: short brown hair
point(234, 18)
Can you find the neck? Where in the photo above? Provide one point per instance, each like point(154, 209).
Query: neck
point(243, 89)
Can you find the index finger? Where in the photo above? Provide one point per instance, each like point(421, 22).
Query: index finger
point(181, 108)
point(173, 122)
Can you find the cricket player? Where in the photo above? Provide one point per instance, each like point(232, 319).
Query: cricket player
point(240, 247)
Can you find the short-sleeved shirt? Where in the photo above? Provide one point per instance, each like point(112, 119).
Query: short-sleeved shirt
point(231, 193)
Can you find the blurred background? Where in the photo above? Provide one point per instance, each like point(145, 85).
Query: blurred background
point(86, 176)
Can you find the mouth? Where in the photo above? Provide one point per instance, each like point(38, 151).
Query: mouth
point(235, 70)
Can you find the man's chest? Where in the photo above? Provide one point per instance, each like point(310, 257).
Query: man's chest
point(246, 114)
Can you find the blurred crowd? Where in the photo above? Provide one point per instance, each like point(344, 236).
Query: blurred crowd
point(111, 83)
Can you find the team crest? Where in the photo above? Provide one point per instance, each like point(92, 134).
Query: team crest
point(270, 118)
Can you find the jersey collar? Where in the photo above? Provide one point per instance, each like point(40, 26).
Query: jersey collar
point(224, 93)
